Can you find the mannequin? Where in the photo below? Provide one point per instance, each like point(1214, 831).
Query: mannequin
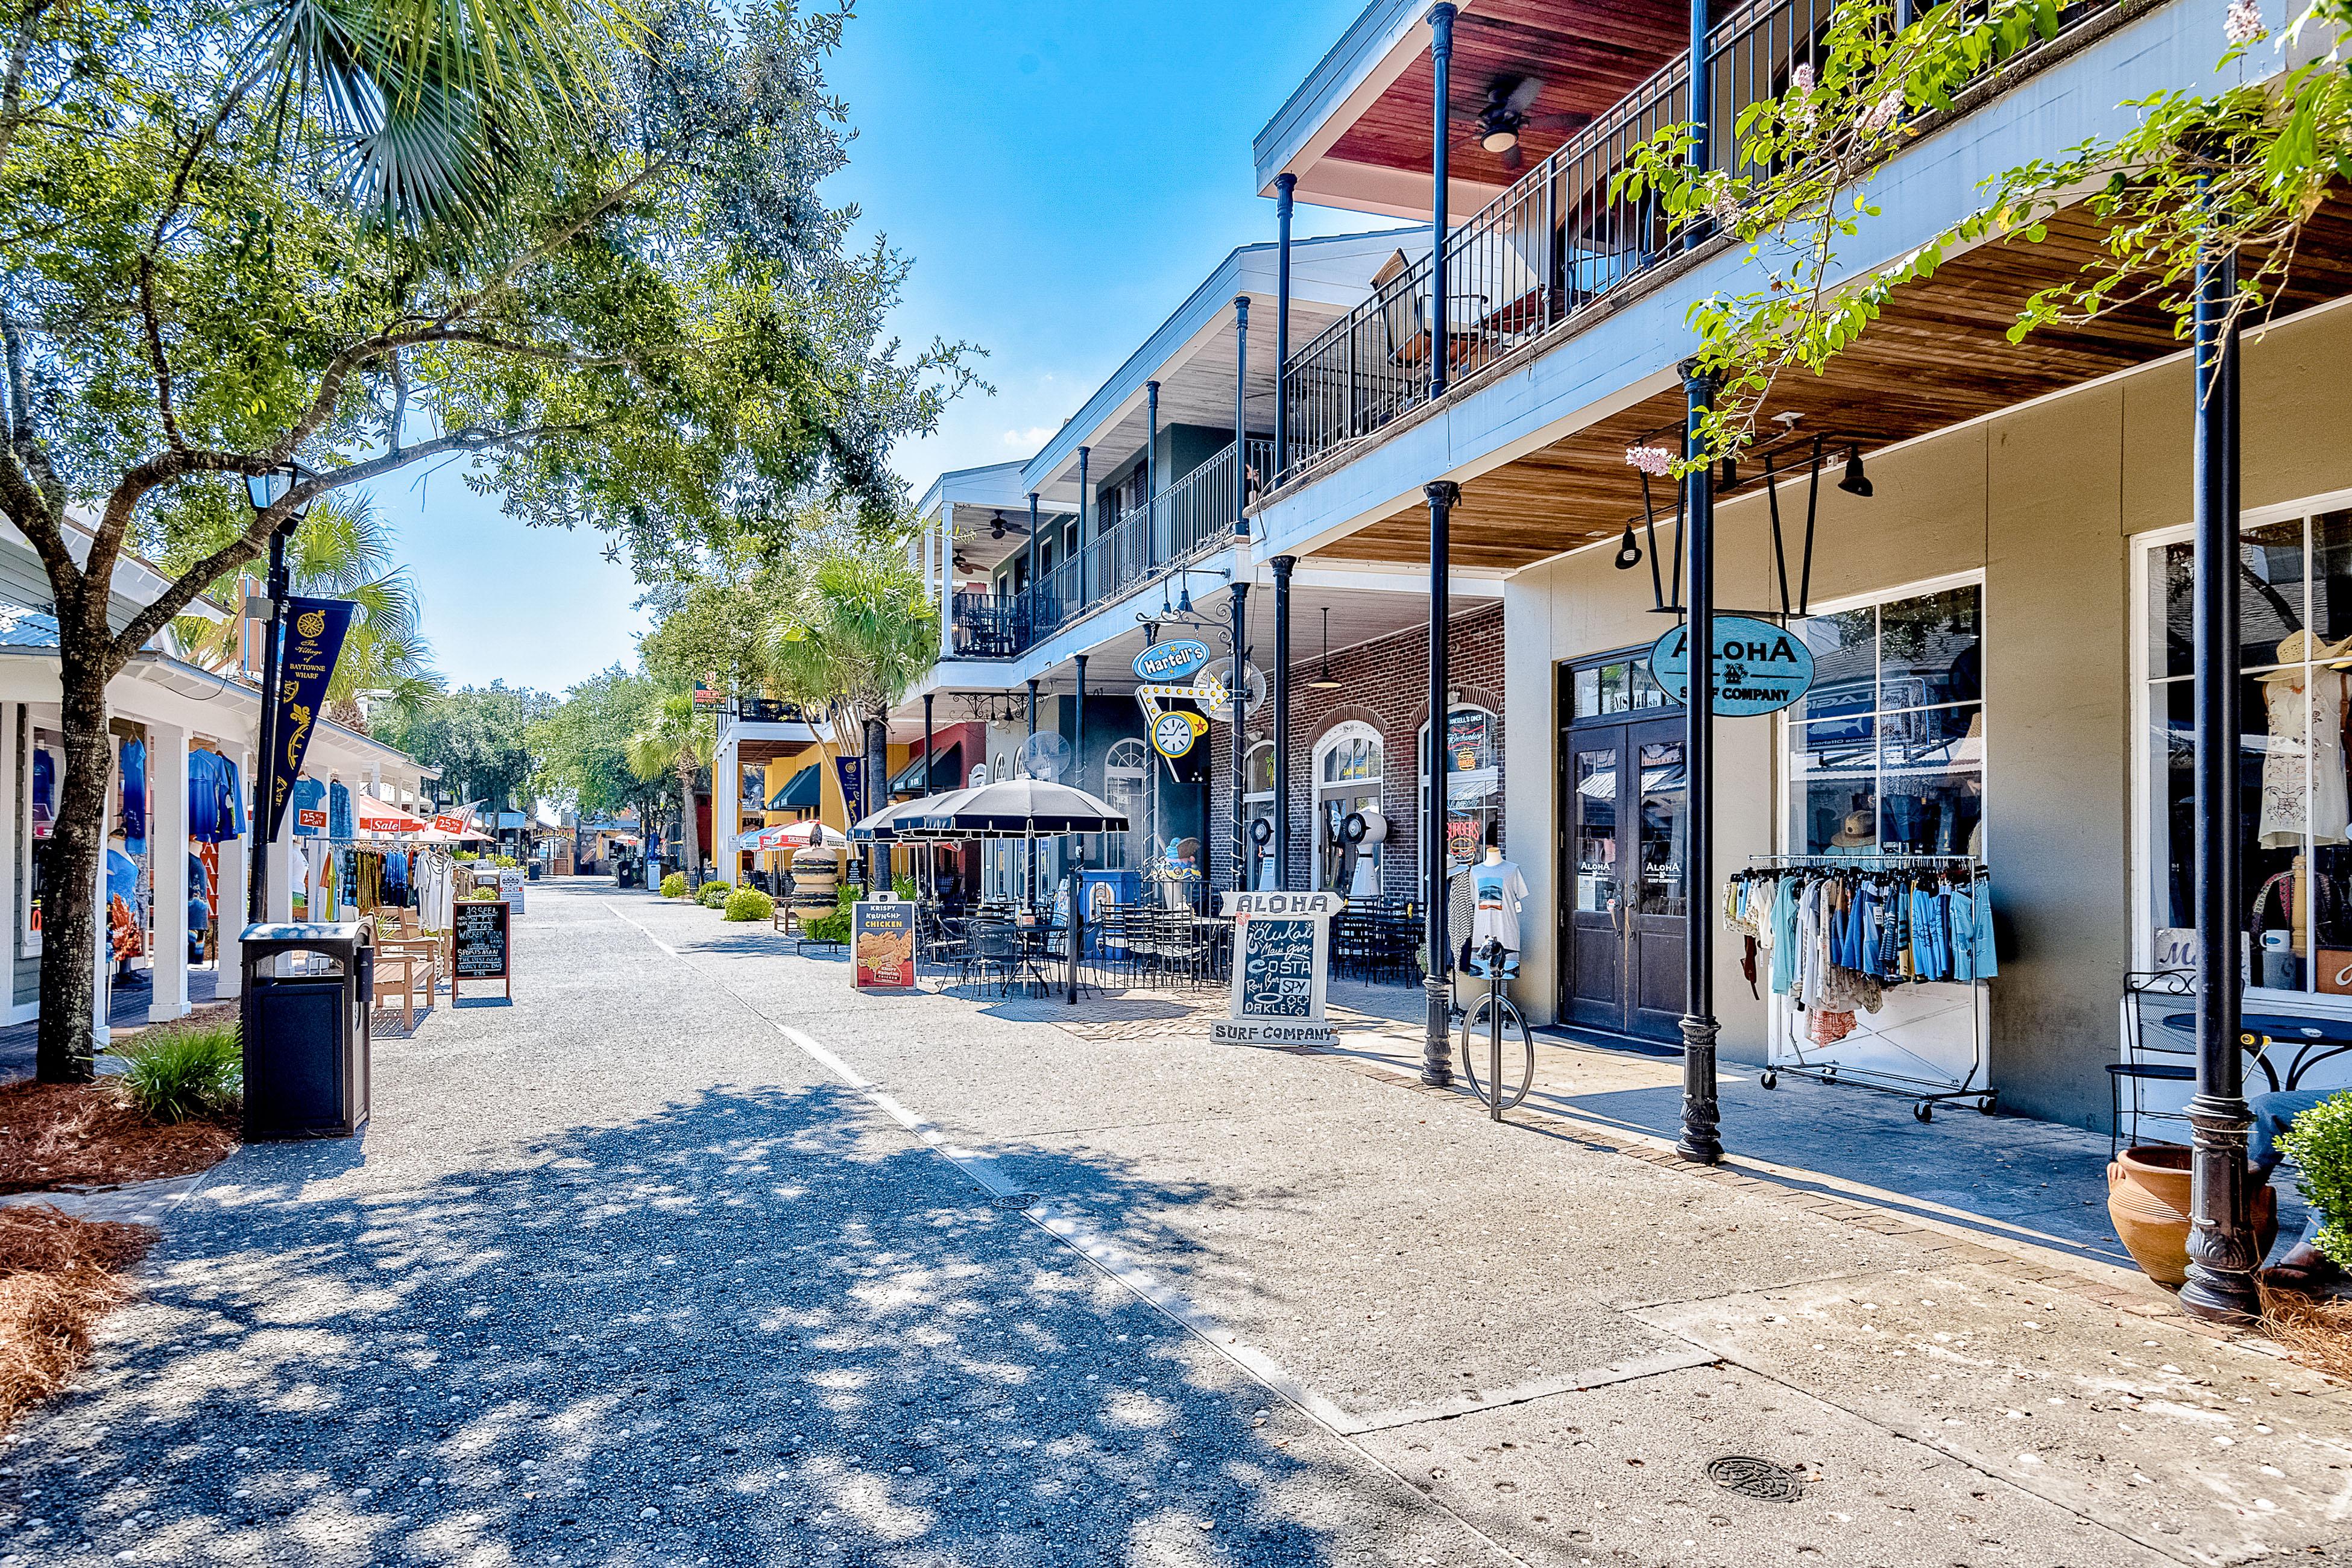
point(2303, 728)
point(1500, 893)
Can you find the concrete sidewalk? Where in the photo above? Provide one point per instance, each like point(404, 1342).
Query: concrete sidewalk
point(692, 1254)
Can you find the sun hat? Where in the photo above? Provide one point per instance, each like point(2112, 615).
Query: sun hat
point(1859, 828)
point(2297, 647)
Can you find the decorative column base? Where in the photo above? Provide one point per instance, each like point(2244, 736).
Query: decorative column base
point(1700, 1116)
point(2222, 1260)
point(1437, 1038)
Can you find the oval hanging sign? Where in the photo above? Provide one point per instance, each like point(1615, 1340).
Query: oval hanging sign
point(1758, 667)
point(1169, 661)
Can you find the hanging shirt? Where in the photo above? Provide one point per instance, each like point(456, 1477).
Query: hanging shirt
point(309, 795)
point(339, 811)
point(1500, 891)
point(132, 765)
point(1784, 934)
point(1987, 963)
point(121, 877)
point(45, 787)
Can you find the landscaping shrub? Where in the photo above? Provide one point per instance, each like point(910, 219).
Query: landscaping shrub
point(180, 1074)
point(904, 887)
point(750, 903)
point(712, 894)
point(505, 862)
point(484, 894)
point(673, 885)
point(2320, 1144)
point(464, 857)
point(832, 927)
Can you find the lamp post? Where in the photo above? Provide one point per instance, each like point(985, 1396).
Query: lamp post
point(264, 491)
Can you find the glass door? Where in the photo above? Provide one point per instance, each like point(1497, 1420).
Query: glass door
point(1624, 830)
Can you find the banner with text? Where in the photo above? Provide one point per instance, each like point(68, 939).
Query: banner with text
point(314, 640)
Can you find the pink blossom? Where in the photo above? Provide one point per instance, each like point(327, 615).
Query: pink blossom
point(2244, 22)
point(1651, 460)
point(1800, 88)
point(1883, 113)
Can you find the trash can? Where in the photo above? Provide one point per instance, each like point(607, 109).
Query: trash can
point(304, 1016)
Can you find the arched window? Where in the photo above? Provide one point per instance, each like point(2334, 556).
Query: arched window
point(1348, 771)
point(1474, 783)
point(1127, 784)
point(1258, 806)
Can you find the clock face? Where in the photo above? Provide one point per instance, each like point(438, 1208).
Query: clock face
point(1172, 734)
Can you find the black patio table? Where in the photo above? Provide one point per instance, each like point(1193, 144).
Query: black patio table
point(2313, 1038)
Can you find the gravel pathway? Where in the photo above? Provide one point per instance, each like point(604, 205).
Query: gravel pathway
point(619, 1276)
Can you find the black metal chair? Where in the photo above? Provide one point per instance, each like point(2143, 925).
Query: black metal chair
point(2152, 1053)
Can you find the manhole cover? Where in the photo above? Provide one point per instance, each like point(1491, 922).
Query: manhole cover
point(1752, 1476)
point(1017, 1201)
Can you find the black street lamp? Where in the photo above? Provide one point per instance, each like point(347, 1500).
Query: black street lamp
point(265, 490)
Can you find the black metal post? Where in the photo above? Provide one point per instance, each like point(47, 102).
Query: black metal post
point(2222, 1251)
point(1441, 64)
point(1702, 106)
point(1151, 477)
point(1078, 736)
point(1086, 516)
point(1286, 195)
point(1024, 617)
point(257, 901)
point(1282, 570)
point(927, 786)
point(1029, 845)
point(1700, 1114)
point(1436, 1044)
point(1240, 741)
point(1241, 417)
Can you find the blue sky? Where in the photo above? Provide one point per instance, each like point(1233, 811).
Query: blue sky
point(1063, 173)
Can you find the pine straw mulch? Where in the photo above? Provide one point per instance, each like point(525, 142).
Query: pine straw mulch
point(2316, 1329)
point(58, 1275)
point(65, 1135)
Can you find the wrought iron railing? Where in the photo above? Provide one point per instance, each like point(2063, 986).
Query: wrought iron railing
point(767, 710)
point(1558, 242)
point(1191, 518)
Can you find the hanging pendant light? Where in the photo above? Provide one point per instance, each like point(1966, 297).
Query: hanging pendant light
point(1629, 552)
point(1185, 595)
point(1324, 683)
point(1856, 482)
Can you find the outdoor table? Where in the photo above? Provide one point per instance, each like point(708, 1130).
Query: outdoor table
point(2313, 1040)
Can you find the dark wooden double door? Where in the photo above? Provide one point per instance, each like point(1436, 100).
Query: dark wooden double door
point(1623, 832)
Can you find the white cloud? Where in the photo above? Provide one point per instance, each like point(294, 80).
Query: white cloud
point(1028, 440)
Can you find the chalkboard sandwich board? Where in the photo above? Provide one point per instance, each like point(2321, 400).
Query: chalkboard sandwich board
point(1282, 953)
point(480, 937)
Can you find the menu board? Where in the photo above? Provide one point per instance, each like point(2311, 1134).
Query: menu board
point(882, 945)
point(510, 883)
point(1283, 946)
point(481, 927)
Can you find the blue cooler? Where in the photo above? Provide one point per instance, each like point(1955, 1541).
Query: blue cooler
point(1104, 888)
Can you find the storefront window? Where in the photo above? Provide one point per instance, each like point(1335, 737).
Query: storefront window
point(1127, 785)
point(1627, 686)
point(1474, 782)
point(1257, 805)
point(1348, 766)
point(2294, 614)
point(1887, 750)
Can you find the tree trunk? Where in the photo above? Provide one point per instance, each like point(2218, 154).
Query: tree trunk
point(71, 922)
point(686, 828)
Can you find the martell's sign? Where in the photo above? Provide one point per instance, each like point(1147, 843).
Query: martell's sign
point(1170, 661)
point(1757, 667)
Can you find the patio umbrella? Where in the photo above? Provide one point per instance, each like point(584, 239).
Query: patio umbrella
point(885, 825)
point(371, 815)
point(795, 836)
point(1023, 809)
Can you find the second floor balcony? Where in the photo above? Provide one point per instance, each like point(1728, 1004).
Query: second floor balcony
point(1187, 520)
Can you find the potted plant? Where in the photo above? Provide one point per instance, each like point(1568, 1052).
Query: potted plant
point(2148, 1203)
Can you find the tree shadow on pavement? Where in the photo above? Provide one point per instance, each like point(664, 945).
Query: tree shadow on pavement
point(759, 1327)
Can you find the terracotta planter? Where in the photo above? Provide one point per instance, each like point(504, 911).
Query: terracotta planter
point(2147, 1202)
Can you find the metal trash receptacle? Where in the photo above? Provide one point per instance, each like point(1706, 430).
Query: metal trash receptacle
point(304, 1016)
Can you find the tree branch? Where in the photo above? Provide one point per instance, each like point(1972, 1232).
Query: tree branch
point(161, 366)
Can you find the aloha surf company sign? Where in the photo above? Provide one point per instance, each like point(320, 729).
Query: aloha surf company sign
point(1757, 667)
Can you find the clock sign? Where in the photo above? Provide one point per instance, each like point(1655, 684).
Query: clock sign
point(1172, 735)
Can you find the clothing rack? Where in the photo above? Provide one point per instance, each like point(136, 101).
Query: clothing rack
point(1935, 1084)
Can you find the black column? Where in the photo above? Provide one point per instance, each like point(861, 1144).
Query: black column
point(927, 742)
point(1026, 612)
point(1151, 481)
point(1702, 106)
point(2221, 1255)
point(1086, 516)
point(1029, 846)
point(1436, 1044)
point(1700, 1116)
point(1282, 569)
point(1078, 732)
point(1441, 61)
point(1241, 740)
point(1241, 420)
point(256, 893)
point(1285, 193)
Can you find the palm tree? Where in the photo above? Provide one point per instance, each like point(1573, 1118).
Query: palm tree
point(344, 550)
point(676, 740)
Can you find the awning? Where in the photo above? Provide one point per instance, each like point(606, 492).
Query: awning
point(799, 793)
point(373, 816)
point(947, 767)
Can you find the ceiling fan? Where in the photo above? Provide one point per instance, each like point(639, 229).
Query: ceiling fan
point(998, 527)
point(1499, 121)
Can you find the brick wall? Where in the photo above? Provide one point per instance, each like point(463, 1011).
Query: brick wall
point(1385, 684)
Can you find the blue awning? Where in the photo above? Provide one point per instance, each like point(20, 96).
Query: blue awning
point(799, 793)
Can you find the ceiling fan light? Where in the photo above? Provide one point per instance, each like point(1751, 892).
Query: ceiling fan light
point(1499, 138)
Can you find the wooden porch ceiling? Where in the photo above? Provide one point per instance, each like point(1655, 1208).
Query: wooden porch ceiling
point(1588, 55)
point(1938, 357)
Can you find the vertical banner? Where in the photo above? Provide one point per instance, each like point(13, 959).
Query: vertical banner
point(853, 785)
point(314, 639)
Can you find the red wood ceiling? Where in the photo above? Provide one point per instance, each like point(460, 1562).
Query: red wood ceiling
point(1588, 53)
